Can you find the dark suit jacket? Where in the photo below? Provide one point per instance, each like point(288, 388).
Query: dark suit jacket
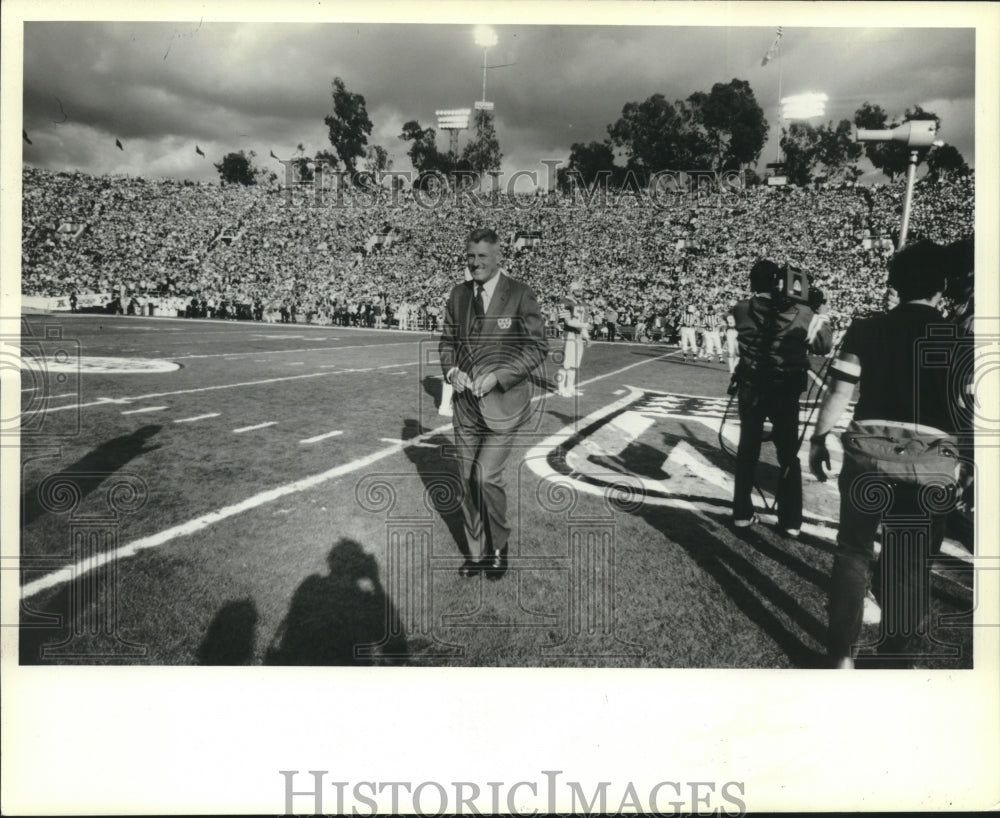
point(509, 341)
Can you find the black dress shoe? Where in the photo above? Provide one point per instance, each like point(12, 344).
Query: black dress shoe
point(495, 565)
point(469, 568)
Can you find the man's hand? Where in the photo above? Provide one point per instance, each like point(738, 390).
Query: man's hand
point(484, 384)
point(819, 456)
point(460, 381)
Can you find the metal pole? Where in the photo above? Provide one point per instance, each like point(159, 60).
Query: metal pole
point(911, 175)
point(484, 73)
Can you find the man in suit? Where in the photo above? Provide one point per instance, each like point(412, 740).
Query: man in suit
point(493, 338)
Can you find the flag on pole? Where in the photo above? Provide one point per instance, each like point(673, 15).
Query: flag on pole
point(273, 156)
point(772, 52)
point(199, 151)
point(24, 133)
point(118, 144)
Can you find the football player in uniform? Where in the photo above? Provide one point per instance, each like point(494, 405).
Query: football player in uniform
point(575, 319)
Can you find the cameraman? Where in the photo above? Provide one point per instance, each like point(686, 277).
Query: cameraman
point(900, 456)
point(775, 333)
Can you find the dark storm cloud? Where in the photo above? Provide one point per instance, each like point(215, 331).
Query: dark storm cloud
point(230, 86)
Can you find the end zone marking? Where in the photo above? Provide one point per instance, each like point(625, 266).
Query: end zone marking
point(321, 437)
point(197, 417)
point(144, 409)
point(243, 429)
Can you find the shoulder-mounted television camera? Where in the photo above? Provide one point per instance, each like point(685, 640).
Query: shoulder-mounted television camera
point(793, 284)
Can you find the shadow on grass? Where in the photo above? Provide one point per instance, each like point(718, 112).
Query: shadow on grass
point(231, 635)
point(764, 600)
point(91, 470)
point(437, 472)
point(342, 618)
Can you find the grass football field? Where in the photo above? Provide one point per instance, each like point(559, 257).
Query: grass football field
point(211, 492)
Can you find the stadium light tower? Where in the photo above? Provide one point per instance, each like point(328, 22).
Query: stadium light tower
point(487, 38)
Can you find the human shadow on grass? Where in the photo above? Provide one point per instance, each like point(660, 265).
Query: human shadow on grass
point(441, 479)
point(343, 617)
point(230, 637)
point(90, 470)
point(758, 595)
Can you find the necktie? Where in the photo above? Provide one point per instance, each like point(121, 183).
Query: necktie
point(478, 303)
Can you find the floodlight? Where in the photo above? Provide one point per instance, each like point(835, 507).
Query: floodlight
point(485, 36)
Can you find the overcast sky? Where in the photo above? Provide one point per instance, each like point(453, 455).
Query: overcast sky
point(162, 88)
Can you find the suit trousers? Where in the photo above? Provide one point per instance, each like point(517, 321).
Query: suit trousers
point(781, 405)
point(482, 454)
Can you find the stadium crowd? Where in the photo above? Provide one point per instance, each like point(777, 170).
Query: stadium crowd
point(201, 249)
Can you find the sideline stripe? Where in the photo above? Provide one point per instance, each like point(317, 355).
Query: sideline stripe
point(289, 351)
point(83, 567)
point(197, 417)
point(243, 429)
point(104, 401)
point(144, 409)
point(204, 521)
point(321, 437)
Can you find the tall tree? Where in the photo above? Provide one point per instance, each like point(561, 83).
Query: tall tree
point(945, 162)
point(377, 159)
point(837, 151)
point(731, 122)
point(238, 169)
point(655, 135)
point(591, 162)
point(483, 153)
point(892, 158)
point(800, 145)
point(349, 125)
point(423, 152)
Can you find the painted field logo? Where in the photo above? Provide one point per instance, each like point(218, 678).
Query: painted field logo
point(664, 445)
point(111, 366)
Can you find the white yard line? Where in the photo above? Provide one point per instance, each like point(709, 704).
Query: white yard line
point(243, 429)
point(144, 409)
point(82, 567)
point(197, 417)
point(321, 437)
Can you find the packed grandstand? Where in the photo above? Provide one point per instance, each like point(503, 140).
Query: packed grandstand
point(167, 247)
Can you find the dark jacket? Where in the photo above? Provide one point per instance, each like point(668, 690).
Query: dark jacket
point(772, 333)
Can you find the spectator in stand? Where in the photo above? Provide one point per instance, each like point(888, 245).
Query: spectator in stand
point(167, 239)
